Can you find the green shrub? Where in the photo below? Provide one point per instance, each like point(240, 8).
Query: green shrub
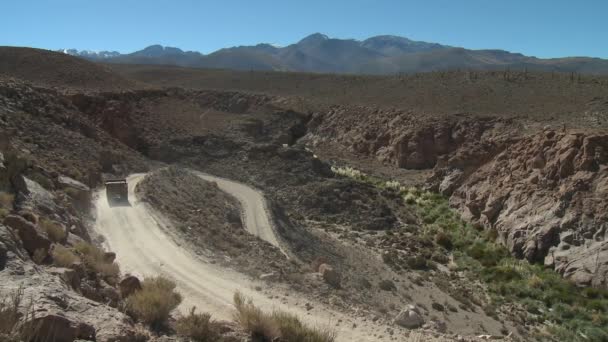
point(570, 313)
point(198, 327)
point(153, 304)
point(487, 254)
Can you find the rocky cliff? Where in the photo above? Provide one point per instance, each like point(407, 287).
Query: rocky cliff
point(546, 196)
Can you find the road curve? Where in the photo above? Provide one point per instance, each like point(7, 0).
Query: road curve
point(253, 206)
point(144, 246)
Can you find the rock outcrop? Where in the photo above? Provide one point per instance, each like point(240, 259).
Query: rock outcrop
point(409, 318)
point(547, 197)
point(33, 238)
point(404, 140)
point(49, 303)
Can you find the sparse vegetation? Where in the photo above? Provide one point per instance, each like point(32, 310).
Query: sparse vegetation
point(349, 172)
point(95, 260)
point(6, 200)
point(6, 203)
point(154, 302)
point(39, 255)
point(10, 316)
point(9, 312)
point(63, 256)
point(276, 325)
point(560, 309)
point(198, 327)
point(54, 230)
point(42, 180)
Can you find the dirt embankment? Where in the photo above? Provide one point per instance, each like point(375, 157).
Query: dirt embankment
point(44, 125)
point(210, 220)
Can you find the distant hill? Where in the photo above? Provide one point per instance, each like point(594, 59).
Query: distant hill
point(375, 55)
point(58, 70)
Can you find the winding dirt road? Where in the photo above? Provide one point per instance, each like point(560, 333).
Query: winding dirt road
point(144, 246)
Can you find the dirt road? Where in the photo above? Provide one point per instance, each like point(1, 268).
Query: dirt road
point(145, 246)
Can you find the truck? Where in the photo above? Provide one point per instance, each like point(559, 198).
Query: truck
point(117, 191)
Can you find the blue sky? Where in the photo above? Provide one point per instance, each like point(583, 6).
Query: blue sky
point(539, 28)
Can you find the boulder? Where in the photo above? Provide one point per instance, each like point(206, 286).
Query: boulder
point(409, 318)
point(330, 275)
point(109, 294)
point(37, 196)
point(68, 275)
point(129, 285)
point(450, 182)
point(109, 257)
point(81, 194)
point(272, 276)
point(32, 237)
point(10, 247)
point(73, 239)
point(318, 261)
point(58, 328)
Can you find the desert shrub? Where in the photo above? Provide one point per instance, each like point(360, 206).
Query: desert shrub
point(153, 304)
point(6, 200)
point(63, 257)
point(487, 254)
point(54, 230)
point(10, 317)
point(349, 172)
point(42, 180)
point(276, 325)
point(94, 260)
point(9, 311)
point(418, 263)
point(39, 255)
point(292, 329)
point(443, 240)
point(410, 198)
point(198, 327)
point(74, 193)
point(253, 320)
point(566, 312)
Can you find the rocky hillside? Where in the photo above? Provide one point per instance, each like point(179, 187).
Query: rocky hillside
point(55, 283)
point(544, 195)
point(56, 70)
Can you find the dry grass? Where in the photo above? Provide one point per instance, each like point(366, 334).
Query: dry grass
point(276, 325)
point(9, 312)
point(94, 259)
point(39, 255)
point(10, 329)
point(63, 257)
point(198, 327)
point(154, 302)
point(6, 200)
point(54, 230)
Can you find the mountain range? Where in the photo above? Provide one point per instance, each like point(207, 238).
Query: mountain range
point(376, 55)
